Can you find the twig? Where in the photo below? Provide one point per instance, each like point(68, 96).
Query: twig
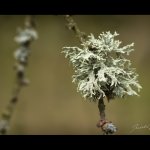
point(24, 39)
point(106, 126)
point(71, 24)
point(101, 107)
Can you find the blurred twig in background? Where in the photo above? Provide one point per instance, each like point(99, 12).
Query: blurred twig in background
point(23, 39)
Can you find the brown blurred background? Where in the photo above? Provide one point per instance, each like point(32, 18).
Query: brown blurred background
point(50, 104)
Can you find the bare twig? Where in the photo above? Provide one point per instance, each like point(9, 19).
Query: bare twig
point(101, 107)
point(71, 24)
point(106, 126)
point(24, 39)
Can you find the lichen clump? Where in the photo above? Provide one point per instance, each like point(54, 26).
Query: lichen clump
point(24, 38)
point(101, 68)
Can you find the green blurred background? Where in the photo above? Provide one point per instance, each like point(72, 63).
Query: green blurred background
point(50, 104)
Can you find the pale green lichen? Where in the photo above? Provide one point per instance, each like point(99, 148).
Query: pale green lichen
point(101, 68)
point(24, 38)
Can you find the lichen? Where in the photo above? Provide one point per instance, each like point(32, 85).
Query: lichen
point(101, 68)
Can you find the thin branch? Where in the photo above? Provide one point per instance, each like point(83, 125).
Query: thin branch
point(24, 39)
point(71, 25)
point(106, 126)
point(101, 107)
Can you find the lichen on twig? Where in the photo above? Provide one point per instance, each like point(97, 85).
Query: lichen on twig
point(102, 70)
point(23, 39)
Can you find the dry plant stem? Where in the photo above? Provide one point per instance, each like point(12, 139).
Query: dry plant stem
point(71, 24)
point(20, 81)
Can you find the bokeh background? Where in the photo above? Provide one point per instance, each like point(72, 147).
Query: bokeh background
point(50, 104)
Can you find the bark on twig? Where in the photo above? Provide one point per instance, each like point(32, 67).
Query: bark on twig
point(101, 107)
point(107, 126)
